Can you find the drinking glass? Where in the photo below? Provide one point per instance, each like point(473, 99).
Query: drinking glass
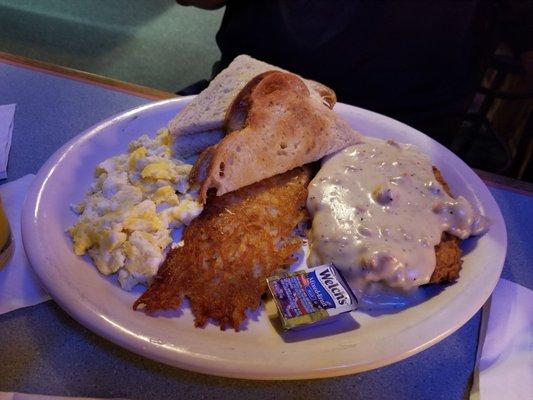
point(6, 241)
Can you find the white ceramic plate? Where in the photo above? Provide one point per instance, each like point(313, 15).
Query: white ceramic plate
point(356, 343)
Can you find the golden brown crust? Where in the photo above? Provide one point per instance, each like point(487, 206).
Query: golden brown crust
point(282, 127)
point(200, 170)
point(442, 181)
point(448, 252)
point(328, 95)
point(237, 113)
point(230, 249)
point(449, 260)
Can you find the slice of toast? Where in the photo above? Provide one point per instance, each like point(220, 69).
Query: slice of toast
point(273, 125)
point(206, 112)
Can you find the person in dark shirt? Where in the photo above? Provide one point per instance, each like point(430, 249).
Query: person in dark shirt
point(416, 61)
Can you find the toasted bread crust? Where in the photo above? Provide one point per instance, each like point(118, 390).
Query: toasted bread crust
point(328, 95)
point(237, 114)
point(206, 112)
point(281, 128)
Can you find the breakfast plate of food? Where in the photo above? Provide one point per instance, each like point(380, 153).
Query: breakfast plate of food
point(261, 230)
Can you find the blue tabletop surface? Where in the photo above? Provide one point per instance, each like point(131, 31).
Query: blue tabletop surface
point(50, 111)
point(44, 351)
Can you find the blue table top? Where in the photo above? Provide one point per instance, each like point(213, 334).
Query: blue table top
point(44, 351)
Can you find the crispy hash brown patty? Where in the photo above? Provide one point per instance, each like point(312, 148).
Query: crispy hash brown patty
point(238, 241)
point(447, 251)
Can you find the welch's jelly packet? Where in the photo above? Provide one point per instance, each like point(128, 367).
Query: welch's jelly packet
point(307, 297)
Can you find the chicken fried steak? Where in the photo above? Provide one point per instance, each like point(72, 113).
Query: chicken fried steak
point(447, 251)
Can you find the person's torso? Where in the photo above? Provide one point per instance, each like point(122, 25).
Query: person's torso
point(395, 57)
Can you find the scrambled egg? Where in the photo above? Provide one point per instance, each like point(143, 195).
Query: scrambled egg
point(126, 219)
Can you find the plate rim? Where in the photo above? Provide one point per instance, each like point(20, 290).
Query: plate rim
point(89, 318)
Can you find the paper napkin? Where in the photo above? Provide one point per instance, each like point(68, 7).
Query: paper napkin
point(504, 369)
point(19, 287)
point(7, 115)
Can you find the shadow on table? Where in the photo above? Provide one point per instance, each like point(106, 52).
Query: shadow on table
point(340, 324)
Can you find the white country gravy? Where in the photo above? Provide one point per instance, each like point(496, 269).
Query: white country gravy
point(378, 213)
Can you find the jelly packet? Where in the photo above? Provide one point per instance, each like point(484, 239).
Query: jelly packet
point(307, 297)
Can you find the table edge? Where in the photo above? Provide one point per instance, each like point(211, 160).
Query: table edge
point(83, 76)
point(504, 182)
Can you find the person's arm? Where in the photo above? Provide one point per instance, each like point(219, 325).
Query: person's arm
point(205, 4)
